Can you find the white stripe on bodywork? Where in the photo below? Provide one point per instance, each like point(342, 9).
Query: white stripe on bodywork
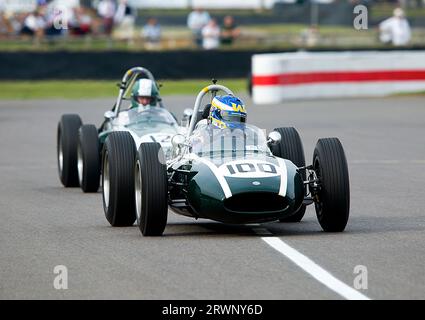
point(283, 177)
point(147, 137)
point(220, 178)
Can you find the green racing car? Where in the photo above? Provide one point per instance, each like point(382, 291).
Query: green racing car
point(233, 175)
point(79, 146)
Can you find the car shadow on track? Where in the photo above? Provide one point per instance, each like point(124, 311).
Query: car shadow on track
point(356, 226)
point(207, 228)
point(211, 228)
point(309, 227)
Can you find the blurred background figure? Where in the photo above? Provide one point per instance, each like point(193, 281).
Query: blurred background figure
point(310, 36)
point(152, 34)
point(106, 10)
point(211, 35)
point(229, 31)
point(395, 30)
point(197, 20)
point(5, 27)
point(34, 25)
point(124, 19)
point(81, 22)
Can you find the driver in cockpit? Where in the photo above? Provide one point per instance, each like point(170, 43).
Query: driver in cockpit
point(144, 94)
point(227, 112)
point(226, 117)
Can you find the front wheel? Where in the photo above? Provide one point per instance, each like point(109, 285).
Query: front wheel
point(151, 189)
point(118, 157)
point(332, 201)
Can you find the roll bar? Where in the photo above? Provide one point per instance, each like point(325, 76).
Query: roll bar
point(214, 88)
point(127, 82)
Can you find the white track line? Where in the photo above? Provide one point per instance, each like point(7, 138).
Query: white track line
point(311, 267)
point(388, 161)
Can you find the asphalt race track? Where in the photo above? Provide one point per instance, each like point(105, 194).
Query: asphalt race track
point(44, 225)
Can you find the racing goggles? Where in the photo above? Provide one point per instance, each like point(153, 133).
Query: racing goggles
point(232, 116)
point(146, 97)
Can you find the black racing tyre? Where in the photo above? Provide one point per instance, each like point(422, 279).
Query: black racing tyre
point(67, 143)
point(88, 156)
point(332, 202)
point(151, 188)
point(118, 156)
point(291, 148)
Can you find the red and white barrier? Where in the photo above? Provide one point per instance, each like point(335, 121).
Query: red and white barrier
point(309, 75)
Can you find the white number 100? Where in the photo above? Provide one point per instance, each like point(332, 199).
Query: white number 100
point(250, 167)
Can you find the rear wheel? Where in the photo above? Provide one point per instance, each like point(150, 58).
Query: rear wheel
point(118, 158)
point(67, 144)
point(291, 148)
point(88, 158)
point(332, 202)
point(151, 189)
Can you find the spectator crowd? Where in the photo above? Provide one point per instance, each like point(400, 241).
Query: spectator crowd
point(53, 18)
point(207, 33)
point(116, 18)
point(109, 18)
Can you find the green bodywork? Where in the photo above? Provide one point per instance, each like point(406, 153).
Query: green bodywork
point(147, 125)
point(103, 135)
point(253, 199)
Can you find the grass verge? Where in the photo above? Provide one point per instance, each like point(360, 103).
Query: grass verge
point(409, 94)
point(86, 89)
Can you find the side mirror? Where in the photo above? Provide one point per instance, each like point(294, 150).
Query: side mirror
point(178, 140)
point(187, 116)
point(109, 115)
point(187, 112)
point(273, 138)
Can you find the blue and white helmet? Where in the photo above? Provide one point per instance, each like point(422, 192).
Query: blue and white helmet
point(227, 112)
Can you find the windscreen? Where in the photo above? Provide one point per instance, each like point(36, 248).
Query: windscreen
point(150, 115)
point(152, 119)
point(210, 140)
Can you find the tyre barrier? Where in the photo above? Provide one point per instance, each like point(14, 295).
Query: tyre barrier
point(279, 77)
